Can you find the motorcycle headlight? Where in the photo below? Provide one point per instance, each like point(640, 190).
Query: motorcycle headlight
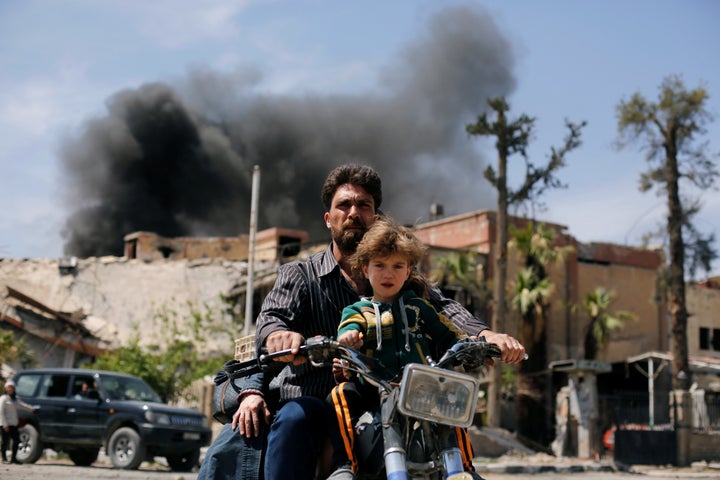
point(436, 395)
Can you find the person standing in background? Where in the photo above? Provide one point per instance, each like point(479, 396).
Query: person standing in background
point(9, 419)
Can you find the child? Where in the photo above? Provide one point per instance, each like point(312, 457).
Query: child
point(395, 326)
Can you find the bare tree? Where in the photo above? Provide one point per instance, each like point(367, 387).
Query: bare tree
point(667, 130)
point(512, 137)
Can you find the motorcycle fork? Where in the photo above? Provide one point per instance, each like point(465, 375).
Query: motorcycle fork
point(394, 454)
point(450, 452)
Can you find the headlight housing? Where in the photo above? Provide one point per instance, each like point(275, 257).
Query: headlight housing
point(437, 395)
point(156, 417)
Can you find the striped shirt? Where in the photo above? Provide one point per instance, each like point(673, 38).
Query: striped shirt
point(308, 297)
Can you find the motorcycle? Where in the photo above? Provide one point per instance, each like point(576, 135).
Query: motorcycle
point(413, 433)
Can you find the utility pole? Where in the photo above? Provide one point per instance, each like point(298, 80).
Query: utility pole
point(249, 291)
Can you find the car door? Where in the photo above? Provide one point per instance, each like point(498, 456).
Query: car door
point(83, 405)
point(51, 397)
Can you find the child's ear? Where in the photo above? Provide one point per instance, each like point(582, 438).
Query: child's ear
point(364, 270)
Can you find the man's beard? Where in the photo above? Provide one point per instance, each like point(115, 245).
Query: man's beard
point(348, 240)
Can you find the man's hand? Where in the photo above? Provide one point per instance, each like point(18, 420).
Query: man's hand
point(512, 350)
point(284, 340)
point(248, 416)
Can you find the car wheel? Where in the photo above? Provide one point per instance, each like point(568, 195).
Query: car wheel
point(30, 447)
point(183, 462)
point(83, 457)
point(126, 449)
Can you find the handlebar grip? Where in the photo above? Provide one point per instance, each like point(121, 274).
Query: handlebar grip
point(267, 358)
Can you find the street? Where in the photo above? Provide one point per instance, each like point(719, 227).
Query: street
point(63, 470)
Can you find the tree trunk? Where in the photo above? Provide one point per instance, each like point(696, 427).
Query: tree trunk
point(676, 280)
point(591, 344)
point(500, 278)
point(531, 409)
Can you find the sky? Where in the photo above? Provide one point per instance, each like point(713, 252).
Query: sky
point(71, 70)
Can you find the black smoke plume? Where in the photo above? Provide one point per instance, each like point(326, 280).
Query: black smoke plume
point(177, 160)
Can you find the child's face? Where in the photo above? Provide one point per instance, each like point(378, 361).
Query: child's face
point(387, 276)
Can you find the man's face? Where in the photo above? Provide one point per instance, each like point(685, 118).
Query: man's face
point(352, 211)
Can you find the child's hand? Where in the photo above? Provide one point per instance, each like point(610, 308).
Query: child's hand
point(352, 339)
point(339, 371)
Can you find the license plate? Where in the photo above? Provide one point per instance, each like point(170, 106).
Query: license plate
point(191, 436)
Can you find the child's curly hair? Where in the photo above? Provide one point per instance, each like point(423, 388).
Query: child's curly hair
point(384, 238)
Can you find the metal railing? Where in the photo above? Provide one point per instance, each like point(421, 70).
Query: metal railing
point(632, 410)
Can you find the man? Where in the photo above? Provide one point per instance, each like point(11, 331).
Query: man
point(307, 300)
point(86, 392)
point(9, 420)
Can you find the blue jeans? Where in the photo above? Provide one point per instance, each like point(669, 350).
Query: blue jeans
point(298, 435)
point(234, 457)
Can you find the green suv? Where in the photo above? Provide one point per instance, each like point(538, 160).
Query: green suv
point(79, 411)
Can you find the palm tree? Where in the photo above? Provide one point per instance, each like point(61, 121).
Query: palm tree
point(533, 288)
point(460, 278)
point(531, 294)
point(602, 324)
point(531, 300)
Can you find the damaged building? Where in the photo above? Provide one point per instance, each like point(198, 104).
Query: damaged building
point(620, 371)
point(56, 337)
point(71, 310)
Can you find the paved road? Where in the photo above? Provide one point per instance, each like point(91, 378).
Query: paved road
point(590, 476)
point(59, 470)
point(51, 468)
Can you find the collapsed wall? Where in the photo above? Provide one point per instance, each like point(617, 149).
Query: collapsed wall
point(113, 298)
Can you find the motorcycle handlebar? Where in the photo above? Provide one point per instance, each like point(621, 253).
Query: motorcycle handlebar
point(321, 349)
point(309, 349)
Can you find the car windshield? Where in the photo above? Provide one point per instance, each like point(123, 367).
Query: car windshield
point(126, 388)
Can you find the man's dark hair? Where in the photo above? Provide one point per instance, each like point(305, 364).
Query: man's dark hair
point(360, 175)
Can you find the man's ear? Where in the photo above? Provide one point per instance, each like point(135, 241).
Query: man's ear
point(327, 219)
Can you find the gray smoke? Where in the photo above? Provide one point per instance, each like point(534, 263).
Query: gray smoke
point(177, 160)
